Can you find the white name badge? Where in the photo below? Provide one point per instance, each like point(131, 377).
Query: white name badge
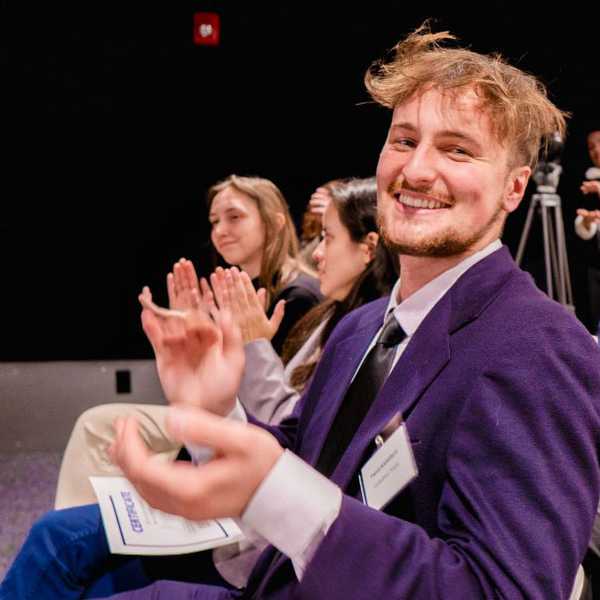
point(389, 470)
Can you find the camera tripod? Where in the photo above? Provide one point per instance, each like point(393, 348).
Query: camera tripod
point(548, 203)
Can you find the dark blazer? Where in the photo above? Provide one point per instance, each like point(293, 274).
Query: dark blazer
point(300, 295)
point(500, 389)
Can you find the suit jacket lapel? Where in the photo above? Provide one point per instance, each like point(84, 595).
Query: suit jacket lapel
point(347, 356)
point(427, 353)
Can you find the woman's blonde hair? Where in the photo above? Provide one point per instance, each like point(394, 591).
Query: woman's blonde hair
point(516, 102)
point(280, 253)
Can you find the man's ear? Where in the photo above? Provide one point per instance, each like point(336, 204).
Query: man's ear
point(371, 240)
point(516, 184)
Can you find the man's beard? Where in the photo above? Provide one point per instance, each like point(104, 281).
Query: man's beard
point(443, 245)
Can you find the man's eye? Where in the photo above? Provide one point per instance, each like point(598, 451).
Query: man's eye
point(403, 142)
point(459, 151)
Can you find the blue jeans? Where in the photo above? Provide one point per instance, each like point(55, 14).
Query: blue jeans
point(66, 555)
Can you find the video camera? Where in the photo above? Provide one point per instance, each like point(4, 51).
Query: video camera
point(548, 170)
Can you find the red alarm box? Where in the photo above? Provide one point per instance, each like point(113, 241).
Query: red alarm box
point(207, 29)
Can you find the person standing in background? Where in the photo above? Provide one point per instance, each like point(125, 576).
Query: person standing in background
point(586, 226)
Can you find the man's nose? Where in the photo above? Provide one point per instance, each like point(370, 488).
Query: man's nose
point(420, 169)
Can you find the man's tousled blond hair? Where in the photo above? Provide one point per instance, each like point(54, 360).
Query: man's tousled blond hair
point(521, 115)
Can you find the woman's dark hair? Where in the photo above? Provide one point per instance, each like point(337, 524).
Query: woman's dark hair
point(356, 203)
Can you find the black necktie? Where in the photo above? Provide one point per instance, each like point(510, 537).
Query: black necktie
point(275, 572)
point(360, 395)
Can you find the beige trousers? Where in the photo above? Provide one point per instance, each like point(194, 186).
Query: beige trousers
point(87, 450)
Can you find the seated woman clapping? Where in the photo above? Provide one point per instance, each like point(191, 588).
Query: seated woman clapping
point(251, 228)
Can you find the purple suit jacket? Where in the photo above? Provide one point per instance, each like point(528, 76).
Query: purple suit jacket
point(500, 389)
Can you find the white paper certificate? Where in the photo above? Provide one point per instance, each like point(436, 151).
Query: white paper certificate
point(133, 527)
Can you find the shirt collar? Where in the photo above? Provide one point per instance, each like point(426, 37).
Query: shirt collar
point(414, 309)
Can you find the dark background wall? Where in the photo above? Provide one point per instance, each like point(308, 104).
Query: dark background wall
point(115, 124)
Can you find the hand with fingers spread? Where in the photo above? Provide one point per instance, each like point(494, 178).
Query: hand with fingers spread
point(249, 307)
point(222, 487)
point(199, 359)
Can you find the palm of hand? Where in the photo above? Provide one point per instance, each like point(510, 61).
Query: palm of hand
point(255, 324)
point(249, 306)
point(195, 366)
point(207, 384)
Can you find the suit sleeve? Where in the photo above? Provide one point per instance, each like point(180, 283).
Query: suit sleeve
point(288, 430)
point(516, 507)
point(264, 391)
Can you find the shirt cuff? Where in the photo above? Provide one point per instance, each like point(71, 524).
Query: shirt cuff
point(582, 231)
point(293, 509)
point(202, 454)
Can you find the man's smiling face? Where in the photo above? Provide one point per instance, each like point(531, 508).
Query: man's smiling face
point(444, 181)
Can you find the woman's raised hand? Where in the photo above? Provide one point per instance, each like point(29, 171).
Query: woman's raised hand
point(234, 290)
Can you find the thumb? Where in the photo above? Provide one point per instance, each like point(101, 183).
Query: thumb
point(149, 323)
point(277, 316)
point(152, 329)
point(197, 426)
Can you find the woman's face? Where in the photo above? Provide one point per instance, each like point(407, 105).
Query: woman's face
point(238, 232)
point(340, 260)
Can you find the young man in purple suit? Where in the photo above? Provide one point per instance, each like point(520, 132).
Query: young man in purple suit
point(497, 385)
